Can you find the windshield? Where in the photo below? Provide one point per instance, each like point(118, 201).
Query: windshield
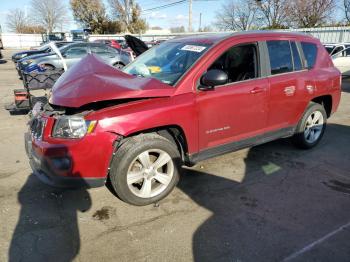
point(167, 62)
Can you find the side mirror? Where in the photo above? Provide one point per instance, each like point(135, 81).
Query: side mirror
point(213, 78)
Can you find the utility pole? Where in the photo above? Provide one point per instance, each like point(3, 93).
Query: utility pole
point(190, 16)
point(200, 22)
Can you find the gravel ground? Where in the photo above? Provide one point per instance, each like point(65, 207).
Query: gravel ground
point(267, 203)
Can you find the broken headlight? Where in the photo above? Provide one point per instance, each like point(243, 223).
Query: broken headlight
point(72, 127)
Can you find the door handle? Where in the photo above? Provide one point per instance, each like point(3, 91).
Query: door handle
point(257, 90)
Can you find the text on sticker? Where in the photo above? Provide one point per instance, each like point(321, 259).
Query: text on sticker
point(193, 48)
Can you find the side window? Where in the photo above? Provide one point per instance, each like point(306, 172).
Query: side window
point(347, 50)
point(310, 53)
point(76, 52)
point(296, 57)
point(98, 50)
point(239, 63)
point(280, 56)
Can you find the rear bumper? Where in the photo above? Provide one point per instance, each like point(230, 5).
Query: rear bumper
point(55, 171)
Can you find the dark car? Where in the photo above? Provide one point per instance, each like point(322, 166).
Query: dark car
point(45, 49)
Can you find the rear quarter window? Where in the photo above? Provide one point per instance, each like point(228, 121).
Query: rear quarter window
point(310, 53)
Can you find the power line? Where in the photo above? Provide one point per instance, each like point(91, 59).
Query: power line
point(165, 6)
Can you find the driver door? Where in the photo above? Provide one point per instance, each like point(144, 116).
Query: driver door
point(238, 109)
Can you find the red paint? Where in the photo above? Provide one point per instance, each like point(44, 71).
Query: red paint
point(92, 80)
point(115, 44)
point(238, 110)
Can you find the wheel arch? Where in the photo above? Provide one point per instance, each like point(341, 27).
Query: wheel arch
point(48, 64)
point(326, 101)
point(173, 133)
point(118, 62)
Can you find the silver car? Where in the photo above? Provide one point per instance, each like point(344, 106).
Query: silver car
point(72, 53)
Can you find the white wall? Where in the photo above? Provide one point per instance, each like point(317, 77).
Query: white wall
point(20, 40)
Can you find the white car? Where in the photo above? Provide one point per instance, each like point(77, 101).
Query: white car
point(341, 60)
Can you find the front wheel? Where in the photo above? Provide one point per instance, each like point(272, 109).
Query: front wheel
point(311, 127)
point(145, 169)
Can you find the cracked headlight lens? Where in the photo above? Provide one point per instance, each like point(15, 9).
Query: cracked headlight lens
point(72, 127)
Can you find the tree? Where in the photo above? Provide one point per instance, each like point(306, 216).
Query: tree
point(178, 29)
point(274, 12)
point(347, 10)
point(128, 12)
point(16, 20)
point(48, 13)
point(237, 15)
point(206, 28)
point(91, 14)
point(33, 29)
point(311, 13)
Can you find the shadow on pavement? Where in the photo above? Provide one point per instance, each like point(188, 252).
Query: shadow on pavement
point(47, 227)
point(249, 221)
point(346, 84)
point(294, 204)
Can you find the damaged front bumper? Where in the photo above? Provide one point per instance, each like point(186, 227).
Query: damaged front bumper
point(69, 163)
point(50, 171)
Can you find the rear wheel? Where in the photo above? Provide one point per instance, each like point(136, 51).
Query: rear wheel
point(311, 127)
point(145, 169)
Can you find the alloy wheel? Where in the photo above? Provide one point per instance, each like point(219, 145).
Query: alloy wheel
point(313, 127)
point(150, 173)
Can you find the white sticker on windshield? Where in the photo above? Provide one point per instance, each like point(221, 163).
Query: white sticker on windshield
point(193, 48)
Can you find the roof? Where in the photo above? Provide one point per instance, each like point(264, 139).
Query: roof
point(212, 38)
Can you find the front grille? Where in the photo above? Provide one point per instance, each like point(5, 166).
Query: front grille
point(37, 126)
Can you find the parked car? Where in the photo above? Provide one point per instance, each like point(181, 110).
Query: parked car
point(341, 60)
point(44, 49)
point(336, 48)
point(80, 34)
point(110, 42)
point(73, 53)
point(181, 102)
point(53, 37)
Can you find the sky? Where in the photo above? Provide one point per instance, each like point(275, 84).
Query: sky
point(165, 18)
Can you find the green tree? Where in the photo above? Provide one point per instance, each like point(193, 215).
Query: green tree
point(128, 13)
point(178, 29)
point(92, 14)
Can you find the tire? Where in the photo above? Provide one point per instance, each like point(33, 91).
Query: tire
point(118, 65)
point(49, 67)
point(143, 187)
point(309, 133)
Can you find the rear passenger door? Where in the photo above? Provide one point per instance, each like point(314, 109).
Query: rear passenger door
point(287, 84)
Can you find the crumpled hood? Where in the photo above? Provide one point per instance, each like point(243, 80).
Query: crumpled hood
point(91, 80)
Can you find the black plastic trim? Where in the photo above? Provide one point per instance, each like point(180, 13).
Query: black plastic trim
point(234, 146)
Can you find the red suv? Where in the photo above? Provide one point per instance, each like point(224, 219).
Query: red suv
point(181, 102)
